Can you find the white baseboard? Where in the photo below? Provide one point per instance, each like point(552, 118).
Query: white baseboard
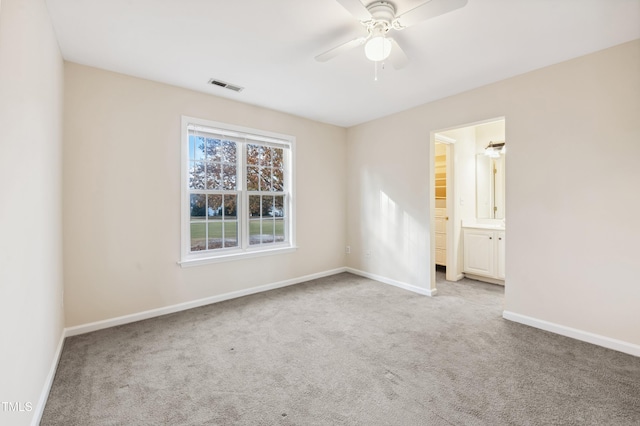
point(126, 319)
point(44, 395)
point(413, 288)
point(585, 336)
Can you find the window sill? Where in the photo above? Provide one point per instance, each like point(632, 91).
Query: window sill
point(187, 263)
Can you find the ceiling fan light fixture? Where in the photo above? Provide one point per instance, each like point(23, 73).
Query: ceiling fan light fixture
point(378, 48)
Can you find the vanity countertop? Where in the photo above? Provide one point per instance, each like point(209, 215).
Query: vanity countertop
point(484, 226)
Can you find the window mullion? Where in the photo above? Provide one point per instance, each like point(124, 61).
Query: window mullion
point(223, 225)
point(206, 221)
point(287, 163)
point(243, 213)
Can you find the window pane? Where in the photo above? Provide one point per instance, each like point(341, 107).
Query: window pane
point(254, 232)
point(230, 207)
point(265, 179)
point(253, 154)
point(277, 157)
point(196, 175)
point(229, 177)
point(214, 176)
point(277, 180)
point(252, 179)
point(278, 206)
point(198, 236)
point(229, 152)
point(213, 149)
point(198, 206)
point(267, 231)
point(230, 233)
point(214, 207)
point(265, 159)
point(279, 229)
point(267, 206)
point(196, 147)
point(254, 205)
point(214, 239)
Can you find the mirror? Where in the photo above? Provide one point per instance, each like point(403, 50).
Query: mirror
point(490, 187)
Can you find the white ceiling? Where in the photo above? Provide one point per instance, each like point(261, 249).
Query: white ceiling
point(268, 47)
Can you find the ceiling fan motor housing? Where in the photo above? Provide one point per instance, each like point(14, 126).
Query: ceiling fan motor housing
point(382, 15)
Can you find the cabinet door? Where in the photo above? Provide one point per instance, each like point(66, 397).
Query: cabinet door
point(501, 251)
point(479, 252)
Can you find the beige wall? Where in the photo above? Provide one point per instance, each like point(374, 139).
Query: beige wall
point(31, 313)
point(122, 197)
point(388, 199)
point(572, 176)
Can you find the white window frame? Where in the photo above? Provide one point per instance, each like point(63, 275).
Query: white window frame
point(244, 250)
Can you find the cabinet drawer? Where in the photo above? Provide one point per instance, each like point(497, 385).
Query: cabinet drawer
point(441, 224)
point(441, 257)
point(441, 241)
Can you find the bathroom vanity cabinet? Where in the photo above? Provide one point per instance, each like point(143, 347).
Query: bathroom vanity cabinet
point(484, 253)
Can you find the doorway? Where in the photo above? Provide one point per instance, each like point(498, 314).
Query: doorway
point(457, 154)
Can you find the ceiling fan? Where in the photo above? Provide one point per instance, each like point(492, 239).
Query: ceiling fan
point(379, 18)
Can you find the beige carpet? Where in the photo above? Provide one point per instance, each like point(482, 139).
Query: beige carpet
point(342, 350)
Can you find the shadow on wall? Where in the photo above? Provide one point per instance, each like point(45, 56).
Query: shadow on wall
point(390, 235)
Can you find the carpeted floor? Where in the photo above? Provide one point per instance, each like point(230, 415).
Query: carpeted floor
point(342, 350)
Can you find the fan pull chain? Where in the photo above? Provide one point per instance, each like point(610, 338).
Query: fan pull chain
point(375, 69)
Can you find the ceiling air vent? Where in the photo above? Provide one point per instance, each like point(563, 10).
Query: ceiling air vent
point(226, 85)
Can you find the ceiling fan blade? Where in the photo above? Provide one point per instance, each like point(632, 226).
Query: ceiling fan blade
point(428, 10)
point(330, 54)
point(356, 8)
point(397, 57)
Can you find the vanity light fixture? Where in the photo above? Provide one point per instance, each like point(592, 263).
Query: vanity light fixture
point(494, 149)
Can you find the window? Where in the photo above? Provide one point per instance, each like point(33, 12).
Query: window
point(237, 198)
